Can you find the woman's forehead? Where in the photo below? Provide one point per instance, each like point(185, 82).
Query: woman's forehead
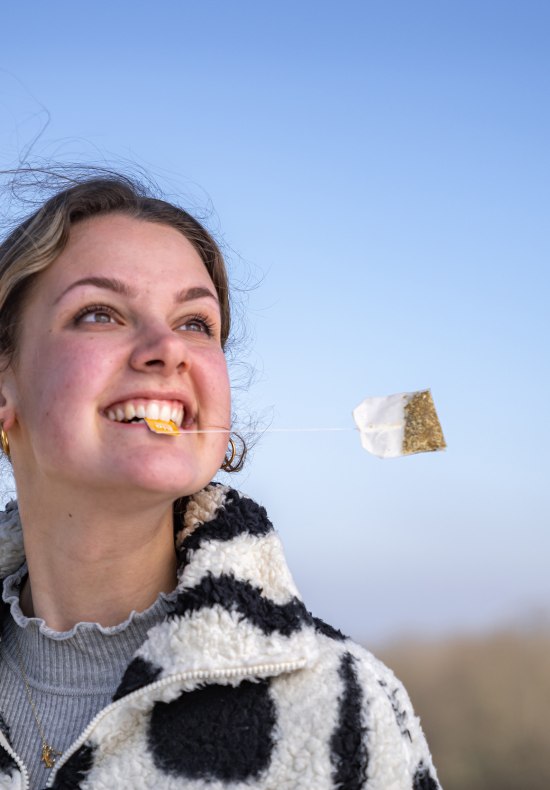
point(130, 250)
point(117, 231)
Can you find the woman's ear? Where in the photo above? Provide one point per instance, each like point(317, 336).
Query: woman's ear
point(7, 396)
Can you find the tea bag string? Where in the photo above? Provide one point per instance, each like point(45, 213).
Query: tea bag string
point(376, 427)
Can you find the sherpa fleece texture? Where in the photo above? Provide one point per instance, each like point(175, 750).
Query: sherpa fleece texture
point(240, 687)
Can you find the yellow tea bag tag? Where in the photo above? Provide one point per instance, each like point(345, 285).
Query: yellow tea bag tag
point(167, 427)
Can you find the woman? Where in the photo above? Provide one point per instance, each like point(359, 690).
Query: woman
point(152, 636)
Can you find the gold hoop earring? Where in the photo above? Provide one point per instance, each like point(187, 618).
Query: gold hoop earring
point(227, 465)
point(233, 461)
point(4, 441)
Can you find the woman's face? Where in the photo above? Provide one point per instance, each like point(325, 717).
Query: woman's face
point(126, 321)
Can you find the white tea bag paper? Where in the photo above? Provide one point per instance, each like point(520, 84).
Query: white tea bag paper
point(401, 424)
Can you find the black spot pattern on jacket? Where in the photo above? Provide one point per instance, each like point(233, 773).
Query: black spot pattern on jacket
point(238, 515)
point(7, 763)
point(423, 780)
point(219, 732)
point(139, 673)
point(76, 769)
point(233, 594)
point(349, 754)
point(328, 630)
point(401, 715)
point(4, 728)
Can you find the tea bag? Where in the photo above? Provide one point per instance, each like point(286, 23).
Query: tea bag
point(400, 424)
point(389, 426)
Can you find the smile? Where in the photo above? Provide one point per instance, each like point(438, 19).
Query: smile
point(138, 410)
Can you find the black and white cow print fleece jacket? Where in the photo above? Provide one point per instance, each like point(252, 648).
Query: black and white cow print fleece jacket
point(240, 687)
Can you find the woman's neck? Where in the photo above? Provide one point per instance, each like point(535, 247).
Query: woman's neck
point(90, 563)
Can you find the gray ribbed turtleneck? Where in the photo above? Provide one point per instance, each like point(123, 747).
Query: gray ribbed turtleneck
point(72, 675)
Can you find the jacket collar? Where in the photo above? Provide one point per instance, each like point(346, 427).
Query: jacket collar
point(237, 607)
point(238, 611)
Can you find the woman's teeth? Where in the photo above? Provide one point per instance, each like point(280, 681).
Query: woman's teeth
point(153, 410)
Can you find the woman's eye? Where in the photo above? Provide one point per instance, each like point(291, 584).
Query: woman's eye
point(197, 324)
point(95, 315)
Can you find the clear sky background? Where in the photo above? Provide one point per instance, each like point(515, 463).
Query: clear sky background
point(379, 171)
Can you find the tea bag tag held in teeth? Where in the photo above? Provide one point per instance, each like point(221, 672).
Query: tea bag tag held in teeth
point(165, 427)
point(400, 424)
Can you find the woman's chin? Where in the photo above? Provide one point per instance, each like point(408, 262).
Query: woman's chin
point(176, 480)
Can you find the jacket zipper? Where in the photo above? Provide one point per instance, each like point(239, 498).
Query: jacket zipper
point(196, 674)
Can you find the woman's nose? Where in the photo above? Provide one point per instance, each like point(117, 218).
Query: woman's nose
point(160, 349)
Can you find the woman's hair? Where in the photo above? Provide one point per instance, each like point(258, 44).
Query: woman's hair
point(36, 243)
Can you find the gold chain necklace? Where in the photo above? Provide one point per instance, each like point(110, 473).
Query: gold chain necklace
point(49, 754)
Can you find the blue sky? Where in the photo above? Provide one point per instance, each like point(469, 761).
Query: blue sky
point(379, 175)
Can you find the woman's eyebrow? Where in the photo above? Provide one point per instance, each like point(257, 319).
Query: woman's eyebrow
point(108, 283)
point(198, 292)
point(120, 287)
